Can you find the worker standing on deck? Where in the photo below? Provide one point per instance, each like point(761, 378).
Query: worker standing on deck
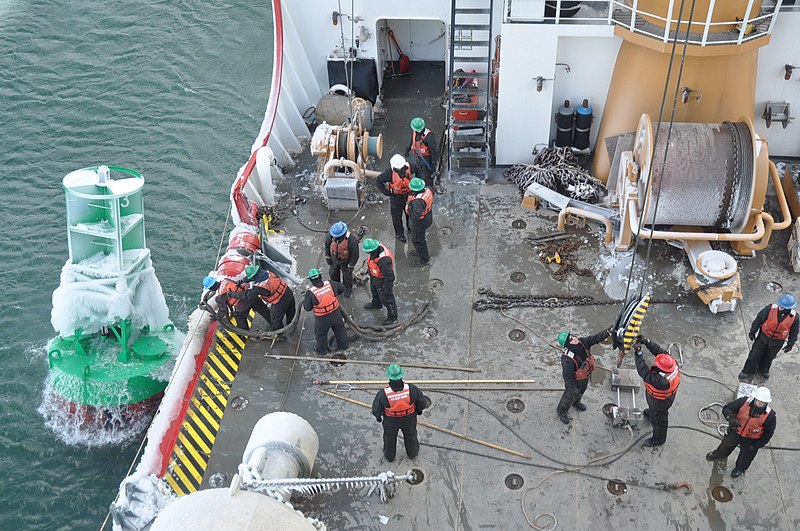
point(322, 297)
point(397, 406)
point(341, 253)
point(660, 384)
point(271, 290)
point(231, 297)
point(577, 364)
point(393, 182)
point(775, 325)
point(751, 426)
point(380, 264)
point(419, 210)
point(422, 149)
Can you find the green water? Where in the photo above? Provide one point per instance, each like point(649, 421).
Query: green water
point(173, 89)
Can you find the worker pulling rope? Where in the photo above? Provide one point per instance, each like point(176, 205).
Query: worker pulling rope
point(558, 169)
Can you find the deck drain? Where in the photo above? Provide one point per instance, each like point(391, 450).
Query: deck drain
point(430, 332)
point(516, 335)
point(517, 276)
point(239, 403)
point(445, 231)
point(617, 487)
point(514, 481)
point(518, 224)
point(515, 405)
point(217, 480)
point(721, 494)
point(774, 287)
point(697, 342)
point(435, 283)
point(608, 409)
point(338, 356)
point(416, 476)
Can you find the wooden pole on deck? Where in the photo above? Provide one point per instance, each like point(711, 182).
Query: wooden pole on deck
point(371, 362)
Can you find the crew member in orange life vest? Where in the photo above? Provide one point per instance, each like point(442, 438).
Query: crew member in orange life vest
point(380, 264)
point(751, 425)
point(422, 150)
point(776, 324)
point(420, 218)
point(393, 182)
point(231, 299)
point(322, 297)
point(397, 406)
point(272, 290)
point(577, 364)
point(660, 383)
point(341, 253)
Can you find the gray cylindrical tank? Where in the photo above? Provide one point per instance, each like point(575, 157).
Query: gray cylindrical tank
point(565, 122)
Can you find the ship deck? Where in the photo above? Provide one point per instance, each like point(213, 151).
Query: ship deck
point(474, 246)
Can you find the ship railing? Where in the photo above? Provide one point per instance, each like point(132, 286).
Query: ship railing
point(626, 13)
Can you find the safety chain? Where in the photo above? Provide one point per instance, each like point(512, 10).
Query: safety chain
point(383, 483)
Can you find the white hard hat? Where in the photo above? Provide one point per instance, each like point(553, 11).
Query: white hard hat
point(397, 161)
point(762, 394)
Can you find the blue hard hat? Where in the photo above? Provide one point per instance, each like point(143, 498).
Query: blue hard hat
point(209, 282)
point(338, 229)
point(787, 302)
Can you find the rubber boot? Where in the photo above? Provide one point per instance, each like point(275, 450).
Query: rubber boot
point(392, 313)
point(563, 417)
point(713, 456)
point(580, 406)
point(737, 472)
point(744, 376)
point(373, 305)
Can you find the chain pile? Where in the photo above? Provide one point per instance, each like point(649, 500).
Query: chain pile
point(499, 301)
point(565, 251)
point(559, 170)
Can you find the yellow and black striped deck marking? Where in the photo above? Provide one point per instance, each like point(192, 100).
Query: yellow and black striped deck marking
point(198, 432)
point(635, 323)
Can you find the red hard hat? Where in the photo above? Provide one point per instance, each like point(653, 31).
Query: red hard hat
point(665, 362)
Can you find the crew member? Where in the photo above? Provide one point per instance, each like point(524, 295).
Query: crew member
point(322, 297)
point(577, 363)
point(271, 290)
point(341, 253)
point(419, 210)
point(775, 325)
point(231, 297)
point(209, 296)
point(380, 264)
point(397, 406)
point(423, 150)
point(751, 423)
point(660, 384)
point(393, 182)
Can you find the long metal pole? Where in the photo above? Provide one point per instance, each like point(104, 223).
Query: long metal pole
point(370, 362)
point(356, 382)
point(434, 427)
point(498, 389)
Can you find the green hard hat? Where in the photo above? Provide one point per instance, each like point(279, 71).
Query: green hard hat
point(369, 245)
point(395, 372)
point(251, 270)
point(417, 124)
point(416, 184)
point(314, 273)
point(562, 338)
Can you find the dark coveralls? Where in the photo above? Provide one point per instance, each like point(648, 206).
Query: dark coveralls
point(574, 389)
point(382, 289)
point(765, 348)
point(748, 448)
point(397, 203)
point(282, 311)
point(423, 166)
point(342, 270)
point(418, 226)
point(658, 409)
point(323, 323)
point(239, 314)
point(391, 425)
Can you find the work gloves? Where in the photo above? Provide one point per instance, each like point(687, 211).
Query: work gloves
point(752, 336)
point(378, 418)
point(638, 350)
point(328, 260)
point(733, 423)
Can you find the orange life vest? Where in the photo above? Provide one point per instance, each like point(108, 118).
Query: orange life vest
point(372, 265)
point(674, 379)
point(751, 427)
point(275, 285)
point(399, 184)
point(399, 402)
point(582, 373)
point(427, 196)
point(341, 250)
point(327, 302)
point(778, 330)
point(228, 286)
point(418, 146)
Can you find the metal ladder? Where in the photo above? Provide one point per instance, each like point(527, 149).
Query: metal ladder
point(468, 104)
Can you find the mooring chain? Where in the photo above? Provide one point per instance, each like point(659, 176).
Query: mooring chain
point(498, 301)
point(384, 483)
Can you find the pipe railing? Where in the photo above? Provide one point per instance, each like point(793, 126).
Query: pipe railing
point(618, 12)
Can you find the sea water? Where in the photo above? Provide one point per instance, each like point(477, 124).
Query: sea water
point(174, 90)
